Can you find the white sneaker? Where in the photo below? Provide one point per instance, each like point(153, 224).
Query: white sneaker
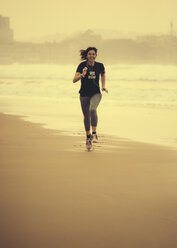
point(94, 138)
point(88, 144)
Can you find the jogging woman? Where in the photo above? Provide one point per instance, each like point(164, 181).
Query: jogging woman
point(90, 96)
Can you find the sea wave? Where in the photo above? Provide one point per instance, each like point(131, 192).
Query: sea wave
point(118, 72)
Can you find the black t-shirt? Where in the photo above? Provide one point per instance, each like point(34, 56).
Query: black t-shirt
point(90, 83)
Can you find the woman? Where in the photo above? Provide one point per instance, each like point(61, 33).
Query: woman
point(90, 96)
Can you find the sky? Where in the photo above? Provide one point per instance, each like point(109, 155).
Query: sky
point(36, 18)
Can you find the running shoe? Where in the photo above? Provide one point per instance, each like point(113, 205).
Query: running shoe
point(88, 144)
point(94, 138)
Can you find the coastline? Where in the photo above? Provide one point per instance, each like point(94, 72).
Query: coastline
point(56, 194)
point(140, 124)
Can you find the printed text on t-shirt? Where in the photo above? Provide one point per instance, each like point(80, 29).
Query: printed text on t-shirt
point(91, 75)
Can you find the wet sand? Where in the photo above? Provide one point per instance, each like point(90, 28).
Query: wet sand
point(55, 194)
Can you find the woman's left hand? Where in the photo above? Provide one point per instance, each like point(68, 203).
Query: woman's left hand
point(104, 89)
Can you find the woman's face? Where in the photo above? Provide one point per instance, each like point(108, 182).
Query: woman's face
point(91, 55)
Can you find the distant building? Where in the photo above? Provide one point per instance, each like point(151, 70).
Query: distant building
point(6, 34)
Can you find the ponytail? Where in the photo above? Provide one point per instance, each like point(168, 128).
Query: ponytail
point(83, 54)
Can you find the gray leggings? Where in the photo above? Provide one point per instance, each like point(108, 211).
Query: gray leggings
point(89, 106)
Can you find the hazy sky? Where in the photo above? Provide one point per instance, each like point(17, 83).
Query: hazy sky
point(41, 17)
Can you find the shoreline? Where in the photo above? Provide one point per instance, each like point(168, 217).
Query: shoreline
point(55, 194)
point(103, 131)
point(105, 137)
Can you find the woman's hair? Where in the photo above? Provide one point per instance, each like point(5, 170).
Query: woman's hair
point(83, 53)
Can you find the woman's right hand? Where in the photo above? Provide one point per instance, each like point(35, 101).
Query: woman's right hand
point(84, 71)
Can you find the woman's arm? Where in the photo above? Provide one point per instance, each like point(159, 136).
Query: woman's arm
point(103, 81)
point(77, 77)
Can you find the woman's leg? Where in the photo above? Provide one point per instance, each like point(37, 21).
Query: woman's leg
point(85, 105)
point(94, 101)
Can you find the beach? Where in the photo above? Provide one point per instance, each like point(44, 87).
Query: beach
point(56, 194)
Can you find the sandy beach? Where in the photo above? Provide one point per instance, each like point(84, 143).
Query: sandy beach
point(55, 194)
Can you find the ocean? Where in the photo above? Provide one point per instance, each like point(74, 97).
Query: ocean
point(141, 104)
